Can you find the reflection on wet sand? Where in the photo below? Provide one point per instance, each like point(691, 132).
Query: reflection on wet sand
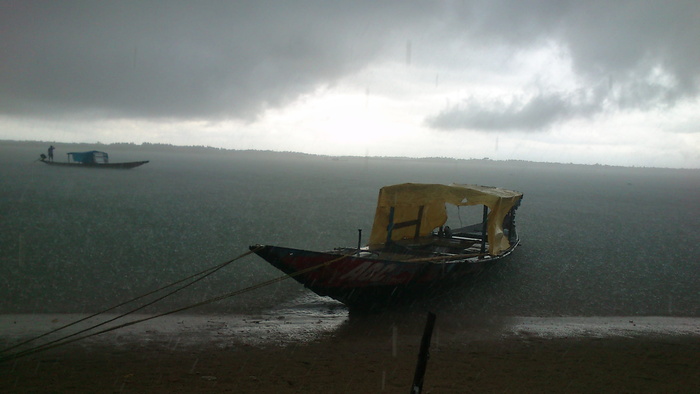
point(312, 344)
point(310, 318)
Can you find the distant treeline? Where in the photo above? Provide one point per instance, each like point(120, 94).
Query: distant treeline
point(200, 149)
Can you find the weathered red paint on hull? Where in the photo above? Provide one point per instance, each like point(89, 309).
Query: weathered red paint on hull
point(361, 281)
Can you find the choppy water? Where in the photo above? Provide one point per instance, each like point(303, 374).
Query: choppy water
point(596, 240)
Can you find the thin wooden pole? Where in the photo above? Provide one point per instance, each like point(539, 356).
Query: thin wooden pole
point(423, 356)
point(483, 229)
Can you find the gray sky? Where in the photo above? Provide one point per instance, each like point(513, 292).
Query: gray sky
point(610, 82)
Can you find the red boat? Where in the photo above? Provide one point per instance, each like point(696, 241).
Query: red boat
point(411, 249)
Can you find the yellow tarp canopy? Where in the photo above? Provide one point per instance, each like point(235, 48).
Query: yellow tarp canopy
point(408, 198)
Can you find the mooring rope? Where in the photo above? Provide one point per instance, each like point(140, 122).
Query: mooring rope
point(64, 340)
point(202, 274)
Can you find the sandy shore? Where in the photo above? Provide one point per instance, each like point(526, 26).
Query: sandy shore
point(369, 356)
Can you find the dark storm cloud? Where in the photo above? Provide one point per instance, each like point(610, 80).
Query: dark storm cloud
point(626, 55)
point(201, 60)
point(179, 59)
point(534, 113)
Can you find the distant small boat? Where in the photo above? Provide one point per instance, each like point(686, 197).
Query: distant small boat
point(91, 159)
point(411, 250)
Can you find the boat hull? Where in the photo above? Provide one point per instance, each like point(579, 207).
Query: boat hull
point(122, 166)
point(365, 282)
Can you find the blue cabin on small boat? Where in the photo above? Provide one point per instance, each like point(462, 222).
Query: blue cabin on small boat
point(90, 157)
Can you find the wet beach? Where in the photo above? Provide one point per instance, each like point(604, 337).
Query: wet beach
point(341, 353)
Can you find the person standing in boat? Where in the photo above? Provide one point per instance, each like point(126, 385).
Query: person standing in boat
point(51, 148)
